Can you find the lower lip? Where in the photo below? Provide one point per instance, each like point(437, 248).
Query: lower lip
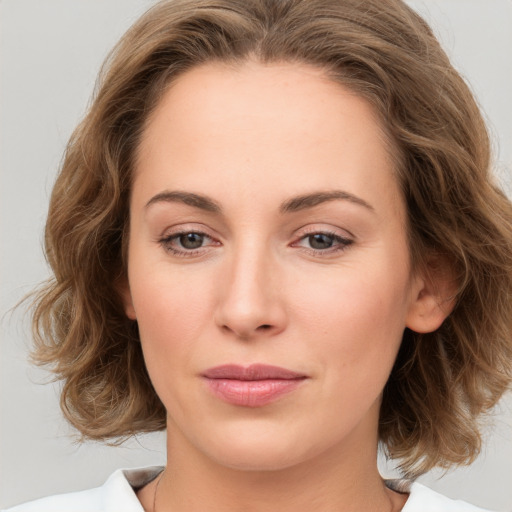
point(252, 393)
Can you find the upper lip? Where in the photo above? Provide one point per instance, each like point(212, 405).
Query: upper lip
point(252, 372)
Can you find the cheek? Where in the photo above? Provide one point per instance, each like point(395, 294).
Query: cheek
point(171, 315)
point(360, 316)
point(171, 309)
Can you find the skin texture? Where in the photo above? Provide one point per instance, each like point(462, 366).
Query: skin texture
point(258, 290)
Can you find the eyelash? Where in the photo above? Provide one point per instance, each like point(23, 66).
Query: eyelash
point(340, 243)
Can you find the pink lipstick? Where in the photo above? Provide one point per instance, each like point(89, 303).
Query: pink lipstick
point(252, 386)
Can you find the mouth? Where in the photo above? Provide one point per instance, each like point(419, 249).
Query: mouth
point(252, 386)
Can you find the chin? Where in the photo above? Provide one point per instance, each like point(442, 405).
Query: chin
point(259, 450)
point(257, 459)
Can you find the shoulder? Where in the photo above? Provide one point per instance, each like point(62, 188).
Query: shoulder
point(117, 493)
point(423, 499)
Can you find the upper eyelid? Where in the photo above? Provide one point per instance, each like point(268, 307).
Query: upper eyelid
point(339, 238)
point(303, 231)
point(169, 234)
point(183, 228)
point(177, 234)
point(225, 231)
point(331, 230)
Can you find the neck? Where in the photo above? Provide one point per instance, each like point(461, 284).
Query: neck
point(343, 479)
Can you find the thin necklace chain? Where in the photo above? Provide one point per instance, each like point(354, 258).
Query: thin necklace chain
point(156, 489)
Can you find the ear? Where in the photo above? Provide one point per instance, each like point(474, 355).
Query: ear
point(123, 289)
point(434, 292)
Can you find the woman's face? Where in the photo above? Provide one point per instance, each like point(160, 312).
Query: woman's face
point(267, 228)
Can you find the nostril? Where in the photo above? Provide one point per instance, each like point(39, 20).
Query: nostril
point(264, 327)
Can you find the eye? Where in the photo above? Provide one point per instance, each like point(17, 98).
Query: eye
point(191, 240)
point(187, 243)
point(323, 243)
point(320, 241)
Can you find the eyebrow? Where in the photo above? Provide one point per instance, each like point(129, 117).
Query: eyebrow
point(310, 200)
point(188, 198)
point(293, 204)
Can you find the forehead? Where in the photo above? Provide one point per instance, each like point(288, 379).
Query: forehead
point(254, 95)
point(221, 126)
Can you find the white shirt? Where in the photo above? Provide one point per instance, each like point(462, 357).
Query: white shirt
point(118, 495)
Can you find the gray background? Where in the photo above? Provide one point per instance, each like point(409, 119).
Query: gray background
point(51, 51)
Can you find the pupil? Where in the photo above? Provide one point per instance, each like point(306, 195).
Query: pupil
point(191, 240)
point(320, 241)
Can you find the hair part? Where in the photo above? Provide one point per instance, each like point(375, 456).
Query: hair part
point(382, 50)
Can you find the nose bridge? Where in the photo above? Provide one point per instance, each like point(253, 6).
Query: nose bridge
point(251, 301)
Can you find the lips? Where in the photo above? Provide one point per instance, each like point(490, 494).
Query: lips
point(253, 386)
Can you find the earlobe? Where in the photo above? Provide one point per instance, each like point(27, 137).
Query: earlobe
point(130, 310)
point(123, 288)
point(434, 297)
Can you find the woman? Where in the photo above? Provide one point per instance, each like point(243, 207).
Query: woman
point(275, 235)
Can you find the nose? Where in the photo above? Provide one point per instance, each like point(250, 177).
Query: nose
point(251, 296)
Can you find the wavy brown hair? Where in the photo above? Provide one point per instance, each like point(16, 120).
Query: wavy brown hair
point(382, 50)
